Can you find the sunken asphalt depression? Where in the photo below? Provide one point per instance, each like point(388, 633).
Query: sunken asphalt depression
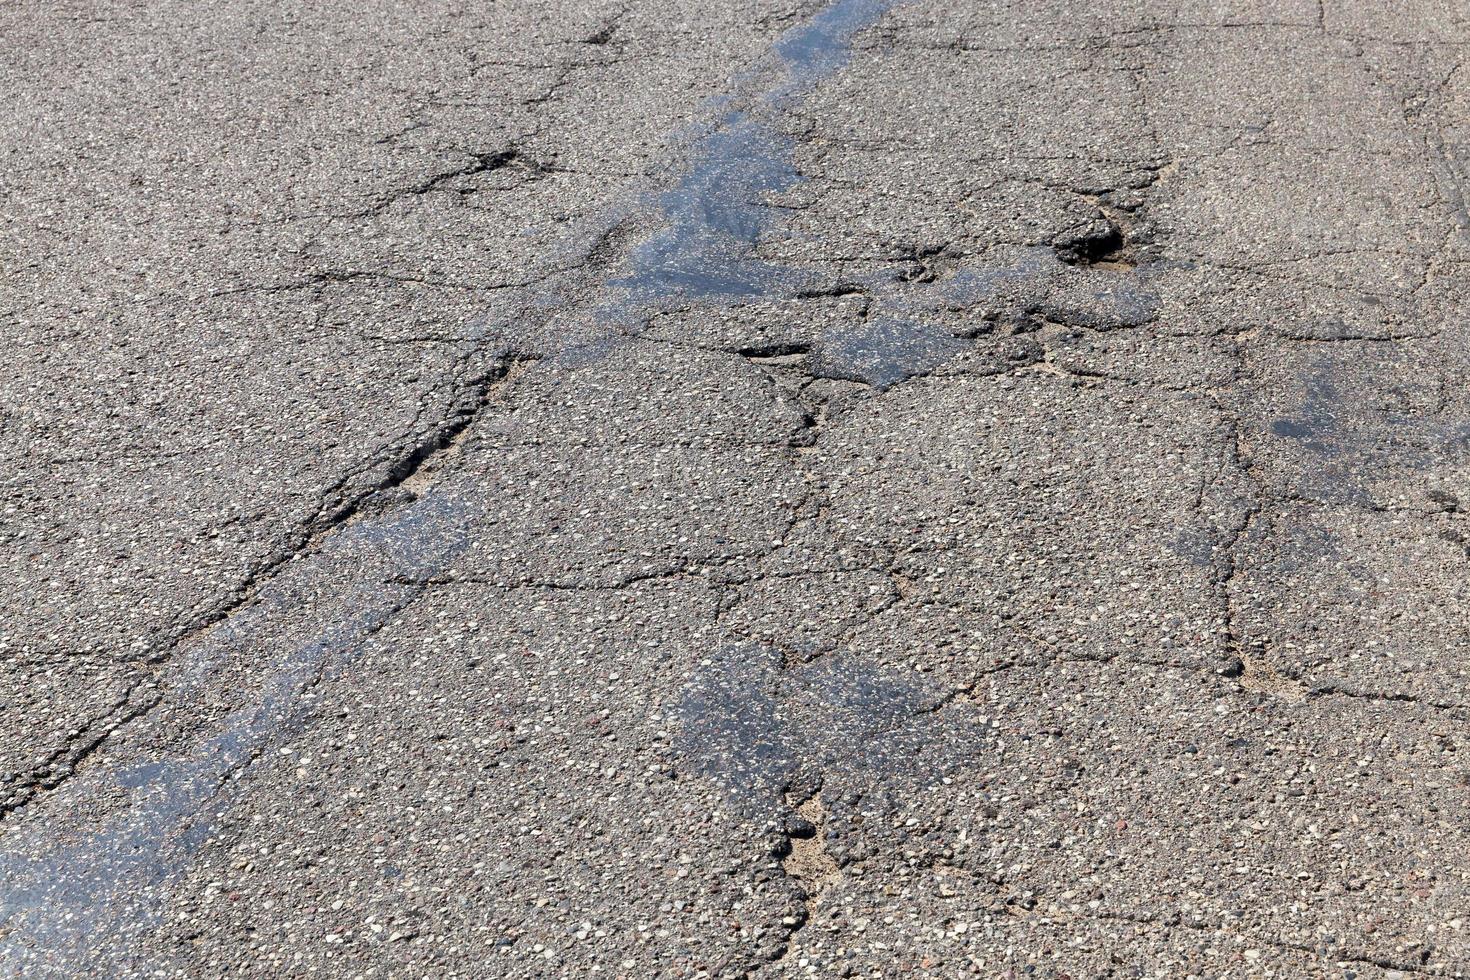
point(762, 489)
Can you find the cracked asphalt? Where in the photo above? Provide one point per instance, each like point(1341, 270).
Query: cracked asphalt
point(874, 488)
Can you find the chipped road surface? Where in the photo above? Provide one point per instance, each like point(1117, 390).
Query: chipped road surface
point(848, 489)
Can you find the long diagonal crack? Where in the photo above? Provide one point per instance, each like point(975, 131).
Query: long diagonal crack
point(392, 472)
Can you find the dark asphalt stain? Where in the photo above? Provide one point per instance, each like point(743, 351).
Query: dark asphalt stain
point(1295, 429)
point(1020, 278)
point(752, 726)
point(1200, 546)
point(883, 351)
point(1354, 427)
point(732, 731)
point(1032, 283)
point(1321, 424)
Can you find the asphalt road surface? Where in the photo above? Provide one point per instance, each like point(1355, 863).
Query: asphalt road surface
point(770, 489)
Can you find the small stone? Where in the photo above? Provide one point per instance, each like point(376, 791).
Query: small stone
point(800, 827)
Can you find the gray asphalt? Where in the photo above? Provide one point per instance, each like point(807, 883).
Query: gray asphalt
point(864, 489)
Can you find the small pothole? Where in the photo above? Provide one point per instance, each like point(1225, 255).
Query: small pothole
point(1100, 244)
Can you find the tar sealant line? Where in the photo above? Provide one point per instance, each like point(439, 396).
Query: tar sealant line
point(73, 887)
point(715, 215)
point(82, 871)
point(753, 724)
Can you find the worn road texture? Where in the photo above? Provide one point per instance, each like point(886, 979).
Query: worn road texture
point(760, 489)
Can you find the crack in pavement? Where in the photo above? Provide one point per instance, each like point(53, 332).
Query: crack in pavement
point(104, 876)
point(103, 872)
point(130, 798)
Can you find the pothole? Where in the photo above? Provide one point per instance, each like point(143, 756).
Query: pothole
point(1099, 244)
point(1254, 675)
point(809, 864)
